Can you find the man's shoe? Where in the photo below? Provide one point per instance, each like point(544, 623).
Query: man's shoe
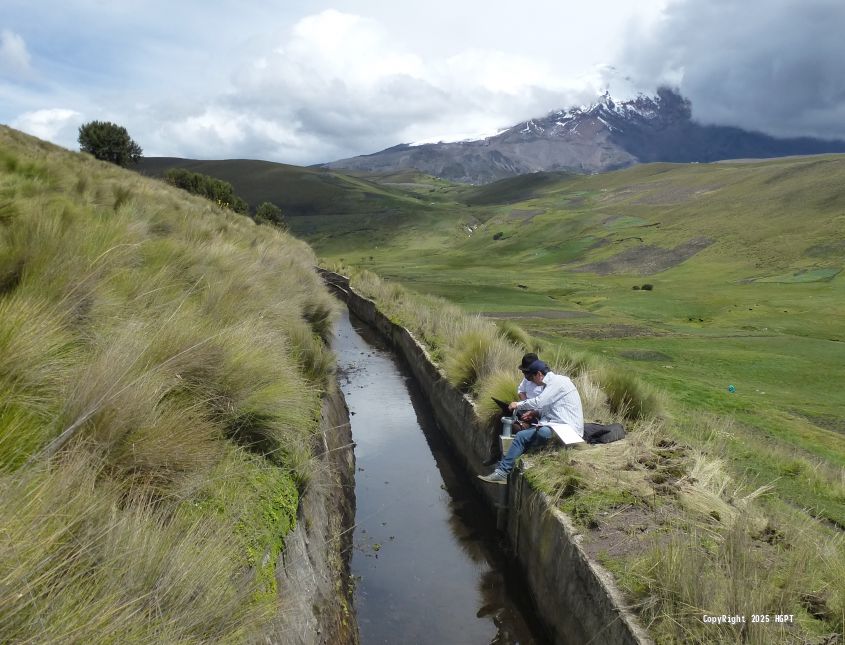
point(496, 477)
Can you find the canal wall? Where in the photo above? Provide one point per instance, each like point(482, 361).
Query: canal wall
point(312, 573)
point(576, 598)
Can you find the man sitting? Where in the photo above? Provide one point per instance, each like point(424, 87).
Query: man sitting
point(559, 402)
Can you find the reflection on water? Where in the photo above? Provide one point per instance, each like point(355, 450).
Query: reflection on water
point(427, 561)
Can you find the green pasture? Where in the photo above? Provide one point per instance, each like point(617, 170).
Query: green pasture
point(744, 261)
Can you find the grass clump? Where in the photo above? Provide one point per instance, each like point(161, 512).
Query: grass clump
point(517, 336)
point(80, 563)
point(629, 395)
point(164, 361)
point(475, 356)
point(736, 571)
point(499, 384)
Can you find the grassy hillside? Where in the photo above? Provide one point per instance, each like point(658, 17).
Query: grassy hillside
point(161, 379)
point(296, 190)
point(368, 211)
point(745, 261)
point(742, 264)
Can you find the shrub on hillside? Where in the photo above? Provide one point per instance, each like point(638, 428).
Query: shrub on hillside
point(220, 192)
point(269, 213)
point(109, 142)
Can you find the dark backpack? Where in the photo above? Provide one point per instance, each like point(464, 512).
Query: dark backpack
point(598, 433)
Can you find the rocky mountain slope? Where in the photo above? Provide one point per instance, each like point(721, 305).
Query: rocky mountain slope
point(604, 136)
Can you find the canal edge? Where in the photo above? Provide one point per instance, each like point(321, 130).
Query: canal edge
point(313, 569)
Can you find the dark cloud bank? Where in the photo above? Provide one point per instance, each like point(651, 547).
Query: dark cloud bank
point(775, 66)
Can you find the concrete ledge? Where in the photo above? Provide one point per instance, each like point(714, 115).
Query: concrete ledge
point(312, 572)
point(576, 597)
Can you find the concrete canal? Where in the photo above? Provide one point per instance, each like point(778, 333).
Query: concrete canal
point(428, 563)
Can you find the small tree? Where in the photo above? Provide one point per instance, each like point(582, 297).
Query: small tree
point(109, 142)
point(269, 212)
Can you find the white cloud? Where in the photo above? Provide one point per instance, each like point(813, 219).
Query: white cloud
point(57, 124)
point(219, 132)
point(499, 72)
point(14, 56)
point(303, 85)
point(340, 84)
point(350, 47)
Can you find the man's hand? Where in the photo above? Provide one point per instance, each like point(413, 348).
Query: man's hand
point(512, 405)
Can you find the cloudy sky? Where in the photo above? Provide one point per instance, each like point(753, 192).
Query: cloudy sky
point(309, 81)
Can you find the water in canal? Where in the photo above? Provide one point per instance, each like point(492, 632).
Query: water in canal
point(427, 561)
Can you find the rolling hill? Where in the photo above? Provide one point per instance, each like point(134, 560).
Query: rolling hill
point(604, 136)
point(296, 190)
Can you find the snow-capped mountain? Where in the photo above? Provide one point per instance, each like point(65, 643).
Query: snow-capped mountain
point(603, 136)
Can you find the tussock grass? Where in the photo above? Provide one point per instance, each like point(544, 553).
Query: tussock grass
point(499, 384)
point(517, 336)
point(159, 394)
point(628, 393)
point(434, 321)
point(572, 361)
point(594, 400)
point(81, 565)
point(740, 571)
point(37, 350)
point(475, 356)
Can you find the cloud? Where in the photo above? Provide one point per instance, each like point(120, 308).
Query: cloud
point(14, 56)
point(338, 84)
point(768, 65)
point(300, 84)
point(57, 124)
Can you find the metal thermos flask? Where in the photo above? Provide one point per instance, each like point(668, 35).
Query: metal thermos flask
point(507, 423)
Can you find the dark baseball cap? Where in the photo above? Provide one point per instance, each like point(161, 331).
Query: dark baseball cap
point(536, 366)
